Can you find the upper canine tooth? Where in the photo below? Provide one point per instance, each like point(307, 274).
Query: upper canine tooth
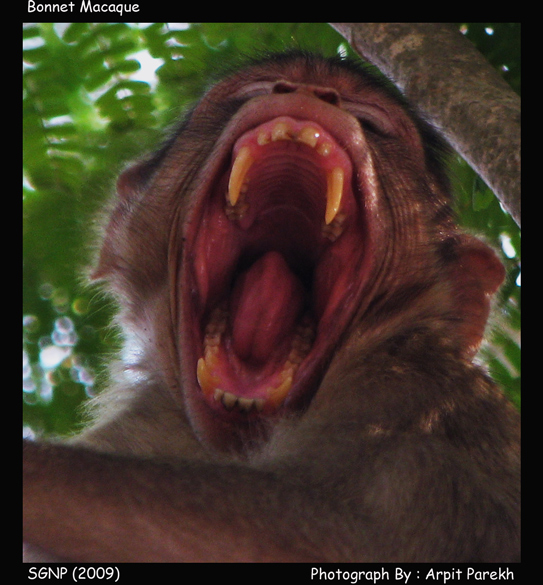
point(334, 191)
point(241, 166)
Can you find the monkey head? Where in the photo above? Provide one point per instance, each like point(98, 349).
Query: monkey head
point(299, 208)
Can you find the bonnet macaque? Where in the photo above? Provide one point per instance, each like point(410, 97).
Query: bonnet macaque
point(301, 315)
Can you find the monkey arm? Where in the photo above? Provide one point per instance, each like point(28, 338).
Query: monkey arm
point(187, 512)
point(400, 475)
point(82, 505)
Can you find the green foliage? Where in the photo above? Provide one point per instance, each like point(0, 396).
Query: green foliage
point(87, 111)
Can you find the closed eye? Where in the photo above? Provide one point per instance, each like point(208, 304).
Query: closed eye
point(372, 119)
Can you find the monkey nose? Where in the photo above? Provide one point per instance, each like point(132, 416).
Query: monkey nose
point(326, 94)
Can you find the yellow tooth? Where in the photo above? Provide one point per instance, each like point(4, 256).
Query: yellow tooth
point(289, 369)
point(333, 230)
point(211, 355)
point(263, 138)
point(241, 165)
point(308, 136)
point(229, 400)
point(277, 395)
point(280, 132)
point(208, 382)
point(334, 192)
point(211, 351)
point(324, 148)
point(245, 404)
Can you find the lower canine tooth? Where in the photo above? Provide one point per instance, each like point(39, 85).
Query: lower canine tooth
point(277, 395)
point(334, 192)
point(206, 379)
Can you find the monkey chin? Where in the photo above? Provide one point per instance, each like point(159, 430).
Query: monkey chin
point(278, 248)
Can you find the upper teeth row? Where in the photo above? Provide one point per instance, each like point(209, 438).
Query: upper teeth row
point(282, 130)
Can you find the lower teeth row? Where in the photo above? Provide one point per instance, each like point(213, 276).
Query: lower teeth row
point(275, 395)
point(230, 401)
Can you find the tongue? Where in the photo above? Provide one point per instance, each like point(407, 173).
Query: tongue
point(265, 303)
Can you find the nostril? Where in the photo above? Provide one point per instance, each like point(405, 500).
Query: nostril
point(325, 94)
point(329, 96)
point(284, 87)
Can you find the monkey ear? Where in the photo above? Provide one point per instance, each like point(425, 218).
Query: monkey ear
point(476, 274)
point(133, 180)
point(130, 186)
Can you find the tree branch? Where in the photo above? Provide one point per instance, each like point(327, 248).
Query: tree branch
point(456, 89)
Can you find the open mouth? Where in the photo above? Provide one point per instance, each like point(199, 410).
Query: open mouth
point(276, 267)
